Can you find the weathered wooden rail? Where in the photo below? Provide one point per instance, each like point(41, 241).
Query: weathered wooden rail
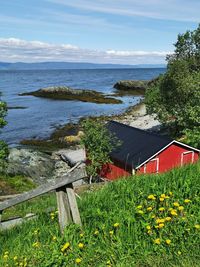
point(66, 200)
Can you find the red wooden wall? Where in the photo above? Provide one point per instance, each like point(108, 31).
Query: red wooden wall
point(169, 158)
point(114, 171)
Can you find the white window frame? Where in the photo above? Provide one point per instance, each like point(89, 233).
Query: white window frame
point(157, 164)
point(187, 152)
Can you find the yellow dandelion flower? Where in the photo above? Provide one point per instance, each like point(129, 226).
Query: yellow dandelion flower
point(78, 260)
point(151, 197)
point(170, 209)
point(161, 209)
point(168, 241)
point(153, 216)
point(139, 207)
point(6, 253)
point(176, 204)
point(54, 238)
point(36, 244)
point(5, 257)
point(156, 226)
point(160, 221)
point(81, 245)
point(197, 226)
point(180, 208)
point(149, 209)
point(187, 200)
point(111, 232)
point(166, 197)
point(163, 195)
point(65, 246)
point(148, 227)
point(161, 225)
point(140, 212)
point(116, 225)
point(174, 213)
point(168, 219)
point(96, 232)
point(170, 193)
point(157, 241)
point(162, 199)
point(81, 234)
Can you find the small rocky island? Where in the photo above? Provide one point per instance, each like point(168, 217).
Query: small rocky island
point(67, 93)
point(132, 87)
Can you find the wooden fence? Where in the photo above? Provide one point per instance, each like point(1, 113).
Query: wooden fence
point(66, 200)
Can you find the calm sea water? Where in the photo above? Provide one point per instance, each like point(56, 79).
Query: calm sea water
point(41, 116)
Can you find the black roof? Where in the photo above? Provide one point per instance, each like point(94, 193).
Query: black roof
point(137, 145)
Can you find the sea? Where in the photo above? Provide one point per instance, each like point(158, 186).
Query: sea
point(32, 117)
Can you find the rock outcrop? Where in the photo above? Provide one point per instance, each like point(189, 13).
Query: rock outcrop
point(39, 166)
point(67, 93)
point(133, 86)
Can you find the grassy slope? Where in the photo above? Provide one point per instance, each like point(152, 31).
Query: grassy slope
point(126, 245)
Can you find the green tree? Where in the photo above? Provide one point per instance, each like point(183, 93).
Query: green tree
point(175, 97)
point(3, 145)
point(99, 143)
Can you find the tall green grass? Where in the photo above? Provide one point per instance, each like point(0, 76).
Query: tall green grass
point(116, 225)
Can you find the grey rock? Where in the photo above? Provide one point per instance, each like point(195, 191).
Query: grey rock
point(34, 164)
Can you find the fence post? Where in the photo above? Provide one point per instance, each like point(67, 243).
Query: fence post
point(67, 206)
point(1, 212)
point(64, 214)
point(73, 205)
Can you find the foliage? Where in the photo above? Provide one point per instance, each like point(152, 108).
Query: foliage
point(99, 142)
point(192, 136)
point(175, 97)
point(122, 226)
point(3, 146)
point(187, 48)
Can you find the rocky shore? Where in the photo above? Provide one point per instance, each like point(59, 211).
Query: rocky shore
point(67, 93)
point(41, 160)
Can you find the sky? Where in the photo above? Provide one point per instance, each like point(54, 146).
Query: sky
point(97, 31)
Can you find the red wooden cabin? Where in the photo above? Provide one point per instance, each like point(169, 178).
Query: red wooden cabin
point(144, 152)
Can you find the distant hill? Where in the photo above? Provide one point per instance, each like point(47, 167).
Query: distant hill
point(71, 65)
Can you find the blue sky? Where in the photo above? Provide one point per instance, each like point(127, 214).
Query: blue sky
point(101, 31)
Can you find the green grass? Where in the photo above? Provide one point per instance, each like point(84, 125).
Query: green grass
point(126, 244)
point(14, 184)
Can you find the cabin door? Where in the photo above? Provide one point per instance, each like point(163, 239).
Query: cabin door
point(152, 166)
point(187, 157)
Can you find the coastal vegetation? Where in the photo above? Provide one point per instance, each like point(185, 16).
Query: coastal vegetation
point(67, 93)
point(98, 143)
point(145, 220)
point(3, 145)
point(175, 97)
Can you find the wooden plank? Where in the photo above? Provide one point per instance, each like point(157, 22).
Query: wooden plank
point(70, 177)
point(1, 212)
point(73, 205)
point(64, 213)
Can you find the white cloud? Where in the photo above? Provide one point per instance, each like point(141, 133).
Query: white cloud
point(13, 49)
